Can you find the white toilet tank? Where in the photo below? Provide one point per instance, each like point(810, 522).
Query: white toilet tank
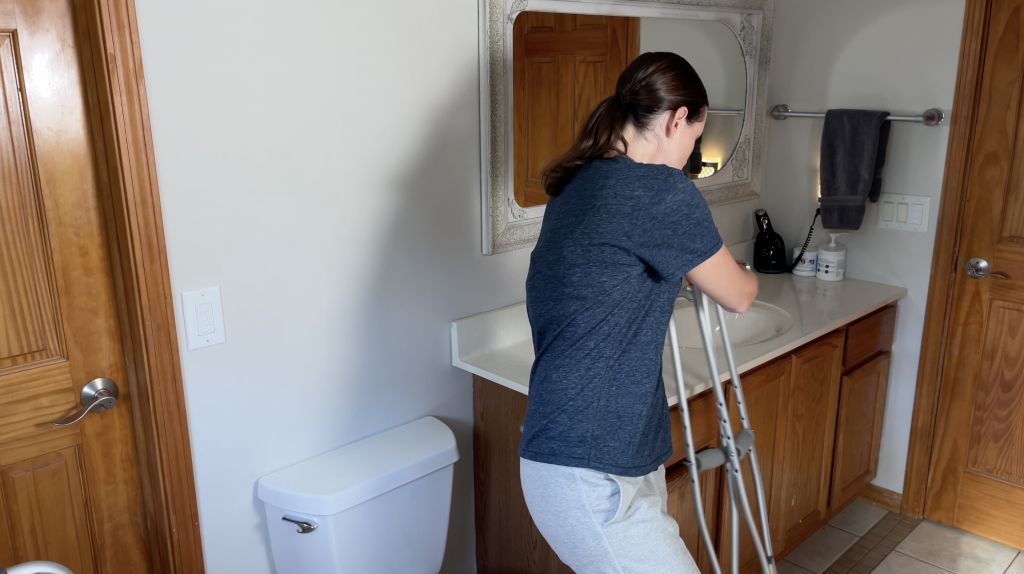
point(380, 504)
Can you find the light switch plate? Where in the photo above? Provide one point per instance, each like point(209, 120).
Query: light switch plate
point(204, 319)
point(903, 212)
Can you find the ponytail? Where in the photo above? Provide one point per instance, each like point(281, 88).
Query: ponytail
point(602, 136)
point(653, 83)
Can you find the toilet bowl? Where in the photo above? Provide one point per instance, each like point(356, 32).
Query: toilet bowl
point(380, 504)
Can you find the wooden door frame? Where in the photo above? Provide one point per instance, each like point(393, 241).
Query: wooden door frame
point(119, 120)
point(938, 310)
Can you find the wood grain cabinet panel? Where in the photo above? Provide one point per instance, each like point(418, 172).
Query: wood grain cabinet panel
point(506, 539)
point(763, 388)
point(681, 507)
point(859, 429)
point(801, 502)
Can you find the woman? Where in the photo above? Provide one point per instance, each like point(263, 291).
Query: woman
point(622, 228)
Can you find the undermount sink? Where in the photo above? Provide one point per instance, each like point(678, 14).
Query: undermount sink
point(760, 323)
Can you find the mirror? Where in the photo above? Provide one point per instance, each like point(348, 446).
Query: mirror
point(564, 64)
point(545, 64)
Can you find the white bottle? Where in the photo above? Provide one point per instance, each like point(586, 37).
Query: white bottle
point(832, 260)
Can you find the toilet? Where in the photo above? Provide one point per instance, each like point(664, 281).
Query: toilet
point(380, 504)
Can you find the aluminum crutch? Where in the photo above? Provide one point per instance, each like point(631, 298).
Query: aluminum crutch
point(734, 447)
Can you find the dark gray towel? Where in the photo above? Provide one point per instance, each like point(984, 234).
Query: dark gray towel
point(853, 144)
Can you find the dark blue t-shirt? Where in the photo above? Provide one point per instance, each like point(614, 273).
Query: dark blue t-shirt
point(612, 252)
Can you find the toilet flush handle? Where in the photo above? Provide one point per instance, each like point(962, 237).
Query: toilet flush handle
point(304, 527)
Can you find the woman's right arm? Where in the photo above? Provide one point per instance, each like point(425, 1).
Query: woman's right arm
point(730, 285)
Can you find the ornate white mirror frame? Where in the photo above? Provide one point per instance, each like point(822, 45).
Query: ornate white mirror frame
point(506, 225)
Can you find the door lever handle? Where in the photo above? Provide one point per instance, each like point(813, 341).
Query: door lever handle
point(978, 268)
point(97, 396)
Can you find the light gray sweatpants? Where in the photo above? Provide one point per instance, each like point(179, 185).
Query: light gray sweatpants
point(598, 522)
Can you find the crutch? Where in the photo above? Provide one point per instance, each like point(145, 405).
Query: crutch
point(733, 448)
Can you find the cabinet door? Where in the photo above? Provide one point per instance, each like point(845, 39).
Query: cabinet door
point(859, 428)
point(802, 474)
point(763, 389)
point(681, 507)
point(704, 425)
point(506, 538)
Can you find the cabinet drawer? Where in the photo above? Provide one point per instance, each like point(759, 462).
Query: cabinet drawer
point(868, 336)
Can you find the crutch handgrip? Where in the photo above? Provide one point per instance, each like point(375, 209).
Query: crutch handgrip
point(716, 456)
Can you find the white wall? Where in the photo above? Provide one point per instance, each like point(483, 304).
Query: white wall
point(332, 191)
point(329, 182)
point(876, 54)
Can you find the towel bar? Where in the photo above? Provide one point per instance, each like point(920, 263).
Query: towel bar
point(930, 117)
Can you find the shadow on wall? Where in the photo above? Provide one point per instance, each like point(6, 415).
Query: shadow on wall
point(427, 269)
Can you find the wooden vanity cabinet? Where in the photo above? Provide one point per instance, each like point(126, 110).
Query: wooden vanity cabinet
point(817, 415)
point(861, 405)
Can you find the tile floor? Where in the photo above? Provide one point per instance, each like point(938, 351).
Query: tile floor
point(865, 539)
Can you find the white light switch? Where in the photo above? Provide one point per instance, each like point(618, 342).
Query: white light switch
point(916, 216)
point(204, 320)
point(903, 212)
point(887, 209)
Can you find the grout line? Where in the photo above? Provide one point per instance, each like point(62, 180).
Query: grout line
point(1010, 565)
point(922, 561)
point(859, 536)
point(864, 554)
point(969, 534)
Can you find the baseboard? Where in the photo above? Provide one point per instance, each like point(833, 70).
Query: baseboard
point(882, 497)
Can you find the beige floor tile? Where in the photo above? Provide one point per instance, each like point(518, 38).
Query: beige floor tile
point(858, 518)
point(822, 549)
point(897, 563)
point(956, 551)
point(787, 567)
point(1018, 565)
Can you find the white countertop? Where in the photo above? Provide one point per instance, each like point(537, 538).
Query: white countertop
point(498, 346)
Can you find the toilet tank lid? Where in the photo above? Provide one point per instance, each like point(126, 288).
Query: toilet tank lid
point(342, 478)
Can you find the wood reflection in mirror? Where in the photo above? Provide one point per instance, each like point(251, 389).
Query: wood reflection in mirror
point(563, 65)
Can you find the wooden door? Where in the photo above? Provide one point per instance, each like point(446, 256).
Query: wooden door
point(70, 495)
point(763, 389)
point(976, 477)
point(801, 490)
point(562, 66)
point(858, 429)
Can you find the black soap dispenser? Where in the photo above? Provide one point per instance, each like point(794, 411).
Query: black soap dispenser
point(769, 250)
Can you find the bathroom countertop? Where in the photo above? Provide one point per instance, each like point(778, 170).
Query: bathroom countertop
point(497, 345)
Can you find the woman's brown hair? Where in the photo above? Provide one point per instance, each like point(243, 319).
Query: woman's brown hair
point(652, 84)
